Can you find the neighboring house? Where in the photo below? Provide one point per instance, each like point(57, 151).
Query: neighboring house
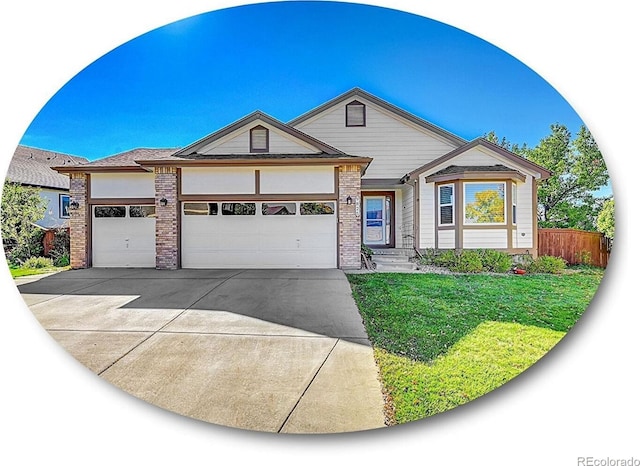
point(32, 167)
point(261, 193)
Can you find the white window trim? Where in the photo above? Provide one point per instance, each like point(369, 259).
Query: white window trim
point(452, 204)
point(514, 203)
point(464, 203)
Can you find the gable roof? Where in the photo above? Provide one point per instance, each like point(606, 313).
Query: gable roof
point(32, 166)
point(518, 160)
point(193, 149)
point(357, 92)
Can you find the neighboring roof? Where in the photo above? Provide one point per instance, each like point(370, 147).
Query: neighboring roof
point(480, 171)
point(122, 161)
point(32, 166)
point(257, 116)
point(357, 92)
point(544, 173)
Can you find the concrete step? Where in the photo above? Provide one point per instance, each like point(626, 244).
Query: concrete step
point(395, 267)
point(389, 259)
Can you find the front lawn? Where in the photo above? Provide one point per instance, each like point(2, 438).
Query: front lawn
point(443, 340)
point(17, 272)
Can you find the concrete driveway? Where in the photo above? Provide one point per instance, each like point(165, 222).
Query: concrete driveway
point(267, 350)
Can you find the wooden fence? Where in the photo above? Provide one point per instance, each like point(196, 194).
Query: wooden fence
point(574, 246)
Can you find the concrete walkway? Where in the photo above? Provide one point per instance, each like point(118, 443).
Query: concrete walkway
point(267, 350)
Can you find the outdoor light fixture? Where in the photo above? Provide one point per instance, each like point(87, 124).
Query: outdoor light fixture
point(349, 200)
point(74, 205)
point(163, 201)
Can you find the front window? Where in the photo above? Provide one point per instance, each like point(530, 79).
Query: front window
point(64, 206)
point(484, 203)
point(514, 191)
point(278, 208)
point(445, 202)
point(317, 208)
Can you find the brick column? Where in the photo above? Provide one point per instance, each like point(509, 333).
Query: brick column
point(79, 221)
point(167, 247)
point(349, 224)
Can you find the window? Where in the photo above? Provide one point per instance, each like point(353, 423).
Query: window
point(259, 139)
point(280, 208)
point(484, 203)
point(445, 202)
point(514, 191)
point(142, 211)
point(118, 211)
point(200, 208)
point(64, 206)
point(317, 208)
point(238, 208)
point(355, 114)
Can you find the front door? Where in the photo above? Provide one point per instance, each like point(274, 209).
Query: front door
point(378, 216)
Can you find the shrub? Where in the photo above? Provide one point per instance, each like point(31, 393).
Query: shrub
point(366, 250)
point(428, 256)
point(469, 261)
point(59, 253)
point(546, 264)
point(447, 259)
point(37, 263)
point(583, 257)
point(495, 261)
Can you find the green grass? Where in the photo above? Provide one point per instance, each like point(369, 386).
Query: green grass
point(17, 272)
point(443, 340)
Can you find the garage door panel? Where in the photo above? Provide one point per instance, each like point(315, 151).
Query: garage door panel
point(260, 240)
point(123, 241)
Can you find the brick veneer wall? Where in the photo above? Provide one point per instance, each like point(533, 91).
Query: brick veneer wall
point(167, 247)
point(79, 221)
point(349, 224)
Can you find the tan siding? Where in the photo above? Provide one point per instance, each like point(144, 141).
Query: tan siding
point(396, 147)
point(119, 185)
point(427, 214)
point(524, 209)
point(479, 239)
point(221, 180)
point(238, 143)
point(446, 239)
point(405, 237)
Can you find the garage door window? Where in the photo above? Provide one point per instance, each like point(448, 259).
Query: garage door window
point(142, 211)
point(279, 208)
point(200, 208)
point(317, 208)
point(110, 211)
point(238, 208)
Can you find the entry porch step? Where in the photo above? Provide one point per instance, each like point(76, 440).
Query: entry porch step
point(393, 260)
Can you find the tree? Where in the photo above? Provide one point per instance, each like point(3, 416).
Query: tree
point(22, 206)
point(606, 219)
point(566, 199)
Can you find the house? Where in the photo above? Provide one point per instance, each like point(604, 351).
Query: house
point(261, 193)
point(32, 167)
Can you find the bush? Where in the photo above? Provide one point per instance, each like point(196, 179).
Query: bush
point(546, 264)
point(468, 261)
point(37, 263)
point(59, 253)
point(495, 261)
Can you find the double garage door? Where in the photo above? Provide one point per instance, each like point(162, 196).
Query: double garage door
point(288, 234)
point(291, 234)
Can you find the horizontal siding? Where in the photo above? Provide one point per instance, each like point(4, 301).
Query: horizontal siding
point(396, 147)
point(446, 239)
point(427, 215)
point(524, 215)
point(479, 239)
point(238, 143)
point(405, 238)
point(222, 180)
point(115, 185)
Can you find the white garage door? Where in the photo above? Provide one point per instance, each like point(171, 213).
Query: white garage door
point(290, 234)
point(124, 236)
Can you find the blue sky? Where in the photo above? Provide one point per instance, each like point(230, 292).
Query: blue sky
point(180, 82)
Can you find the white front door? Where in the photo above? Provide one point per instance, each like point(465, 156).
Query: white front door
point(375, 220)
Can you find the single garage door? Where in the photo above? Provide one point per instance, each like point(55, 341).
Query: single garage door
point(123, 236)
point(292, 234)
